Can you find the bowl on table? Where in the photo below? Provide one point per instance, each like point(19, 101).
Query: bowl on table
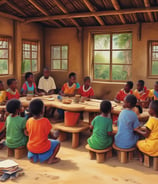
point(66, 101)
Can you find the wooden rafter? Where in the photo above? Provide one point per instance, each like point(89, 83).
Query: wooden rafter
point(3, 1)
point(11, 16)
point(15, 8)
point(43, 11)
point(147, 5)
point(92, 14)
point(117, 7)
point(91, 8)
point(64, 10)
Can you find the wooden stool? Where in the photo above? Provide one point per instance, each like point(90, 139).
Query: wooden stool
point(147, 162)
point(17, 152)
point(124, 154)
point(100, 155)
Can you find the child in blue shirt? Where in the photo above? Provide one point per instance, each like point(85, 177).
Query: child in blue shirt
point(127, 122)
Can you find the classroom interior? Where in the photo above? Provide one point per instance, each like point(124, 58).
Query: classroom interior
point(74, 24)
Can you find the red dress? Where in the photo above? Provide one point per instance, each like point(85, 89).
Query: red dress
point(86, 92)
point(12, 94)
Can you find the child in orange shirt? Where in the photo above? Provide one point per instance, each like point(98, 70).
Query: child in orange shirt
point(38, 128)
point(12, 91)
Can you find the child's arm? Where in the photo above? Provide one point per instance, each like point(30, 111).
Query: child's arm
point(145, 131)
point(26, 132)
point(91, 128)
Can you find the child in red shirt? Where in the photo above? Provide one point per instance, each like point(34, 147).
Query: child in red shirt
point(86, 90)
point(12, 91)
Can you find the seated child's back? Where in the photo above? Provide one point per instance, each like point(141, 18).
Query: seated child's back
point(102, 127)
point(127, 122)
point(15, 125)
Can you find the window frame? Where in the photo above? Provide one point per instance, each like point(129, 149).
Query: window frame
point(38, 55)
point(110, 50)
point(60, 45)
point(9, 61)
point(149, 59)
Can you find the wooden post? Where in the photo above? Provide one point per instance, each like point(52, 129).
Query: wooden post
point(75, 140)
point(20, 152)
point(146, 161)
point(62, 136)
point(100, 157)
point(123, 157)
point(17, 51)
point(92, 155)
point(10, 152)
point(108, 154)
point(155, 163)
point(130, 155)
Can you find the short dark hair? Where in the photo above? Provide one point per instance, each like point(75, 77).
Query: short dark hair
point(27, 75)
point(13, 105)
point(45, 68)
point(141, 82)
point(131, 99)
point(130, 84)
point(1, 82)
point(156, 82)
point(139, 108)
point(36, 107)
point(10, 81)
point(72, 74)
point(86, 78)
point(105, 106)
point(154, 105)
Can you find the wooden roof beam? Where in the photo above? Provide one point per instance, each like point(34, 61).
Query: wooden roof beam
point(117, 7)
point(15, 8)
point(6, 15)
point(147, 5)
point(64, 10)
point(91, 8)
point(92, 14)
point(2, 2)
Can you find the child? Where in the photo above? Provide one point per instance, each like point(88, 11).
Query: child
point(70, 88)
point(153, 95)
point(102, 128)
point(127, 122)
point(124, 92)
point(149, 145)
point(2, 93)
point(86, 90)
point(38, 128)
point(12, 91)
point(29, 87)
point(141, 93)
point(15, 125)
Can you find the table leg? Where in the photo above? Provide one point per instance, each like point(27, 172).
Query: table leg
point(75, 140)
point(86, 116)
point(62, 136)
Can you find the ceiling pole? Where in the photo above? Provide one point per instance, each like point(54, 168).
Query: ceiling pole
point(147, 5)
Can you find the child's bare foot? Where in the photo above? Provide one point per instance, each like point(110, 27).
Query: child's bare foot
point(55, 160)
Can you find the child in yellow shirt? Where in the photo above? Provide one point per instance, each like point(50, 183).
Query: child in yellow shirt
point(149, 145)
point(153, 94)
point(2, 93)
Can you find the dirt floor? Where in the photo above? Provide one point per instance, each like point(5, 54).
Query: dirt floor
point(76, 167)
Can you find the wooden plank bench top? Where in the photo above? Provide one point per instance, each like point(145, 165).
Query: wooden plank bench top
point(75, 129)
point(98, 151)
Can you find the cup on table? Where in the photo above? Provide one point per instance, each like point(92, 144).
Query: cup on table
point(29, 96)
point(77, 98)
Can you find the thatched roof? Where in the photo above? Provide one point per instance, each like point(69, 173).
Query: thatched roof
point(80, 13)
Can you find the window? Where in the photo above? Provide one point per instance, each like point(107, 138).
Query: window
point(4, 55)
point(59, 57)
point(153, 58)
point(112, 56)
point(30, 56)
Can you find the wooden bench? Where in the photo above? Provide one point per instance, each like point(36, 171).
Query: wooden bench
point(99, 155)
point(124, 154)
point(147, 162)
point(75, 130)
point(17, 152)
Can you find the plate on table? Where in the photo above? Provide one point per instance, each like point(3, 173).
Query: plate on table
point(50, 99)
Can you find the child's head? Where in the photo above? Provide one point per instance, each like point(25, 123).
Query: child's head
point(153, 108)
point(13, 106)
point(36, 107)
point(72, 77)
point(1, 86)
point(156, 86)
point(140, 85)
point(128, 86)
point(29, 77)
point(130, 101)
point(87, 81)
point(46, 72)
point(12, 83)
point(105, 107)
point(138, 109)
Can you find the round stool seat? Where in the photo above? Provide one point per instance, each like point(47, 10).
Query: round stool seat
point(98, 151)
point(122, 149)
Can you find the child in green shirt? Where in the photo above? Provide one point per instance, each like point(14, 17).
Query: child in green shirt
point(15, 125)
point(101, 126)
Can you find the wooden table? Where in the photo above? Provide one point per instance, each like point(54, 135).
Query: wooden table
point(74, 130)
